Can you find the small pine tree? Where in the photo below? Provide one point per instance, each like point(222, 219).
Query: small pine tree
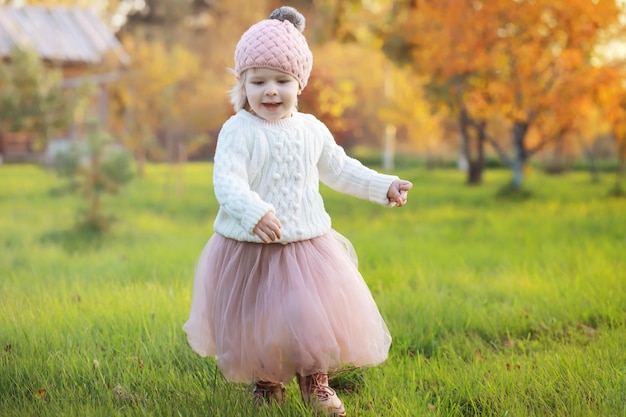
point(93, 168)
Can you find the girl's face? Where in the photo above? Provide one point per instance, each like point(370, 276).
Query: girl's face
point(272, 94)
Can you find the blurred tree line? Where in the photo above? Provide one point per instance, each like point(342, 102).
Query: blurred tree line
point(510, 78)
point(534, 69)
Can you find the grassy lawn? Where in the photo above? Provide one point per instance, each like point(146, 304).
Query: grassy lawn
point(497, 308)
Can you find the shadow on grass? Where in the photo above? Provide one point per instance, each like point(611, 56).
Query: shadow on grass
point(617, 192)
point(512, 193)
point(81, 238)
point(63, 190)
point(346, 380)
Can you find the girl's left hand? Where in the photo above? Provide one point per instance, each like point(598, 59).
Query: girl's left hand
point(398, 191)
point(268, 228)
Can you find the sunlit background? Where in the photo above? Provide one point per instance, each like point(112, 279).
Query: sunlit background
point(504, 82)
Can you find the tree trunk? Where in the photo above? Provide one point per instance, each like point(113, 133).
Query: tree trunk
point(475, 160)
point(390, 147)
point(519, 131)
point(475, 173)
point(594, 171)
point(141, 162)
point(477, 166)
point(182, 160)
point(93, 215)
point(389, 150)
point(1, 148)
point(465, 137)
point(621, 168)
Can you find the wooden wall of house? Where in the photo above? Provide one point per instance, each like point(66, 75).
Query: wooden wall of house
point(18, 147)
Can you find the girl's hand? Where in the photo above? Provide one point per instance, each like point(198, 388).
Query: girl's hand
point(398, 191)
point(268, 228)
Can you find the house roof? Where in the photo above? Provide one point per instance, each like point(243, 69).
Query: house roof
point(70, 35)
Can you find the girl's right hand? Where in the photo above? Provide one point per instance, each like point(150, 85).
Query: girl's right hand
point(397, 192)
point(268, 228)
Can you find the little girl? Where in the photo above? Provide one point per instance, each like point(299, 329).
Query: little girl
point(277, 292)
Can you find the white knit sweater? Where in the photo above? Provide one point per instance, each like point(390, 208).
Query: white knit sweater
point(263, 166)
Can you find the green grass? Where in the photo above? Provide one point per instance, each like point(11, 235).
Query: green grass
point(497, 307)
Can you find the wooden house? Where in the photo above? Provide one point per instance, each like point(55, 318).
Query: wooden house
point(74, 40)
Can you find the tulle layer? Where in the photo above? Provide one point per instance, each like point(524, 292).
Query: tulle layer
point(269, 311)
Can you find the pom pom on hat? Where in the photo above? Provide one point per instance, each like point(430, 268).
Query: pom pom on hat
point(290, 14)
point(276, 43)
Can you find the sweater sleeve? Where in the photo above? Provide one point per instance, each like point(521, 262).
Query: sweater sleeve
point(231, 184)
point(348, 175)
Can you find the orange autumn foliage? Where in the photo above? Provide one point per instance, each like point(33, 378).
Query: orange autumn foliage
point(529, 61)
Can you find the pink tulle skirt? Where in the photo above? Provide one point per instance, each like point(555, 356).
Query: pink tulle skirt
point(268, 311)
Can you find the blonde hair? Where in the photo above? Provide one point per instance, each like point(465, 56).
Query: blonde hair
point(238, 96)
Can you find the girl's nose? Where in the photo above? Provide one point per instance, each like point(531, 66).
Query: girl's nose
point(271, 90)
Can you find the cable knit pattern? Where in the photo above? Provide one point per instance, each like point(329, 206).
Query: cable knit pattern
point(263, 166)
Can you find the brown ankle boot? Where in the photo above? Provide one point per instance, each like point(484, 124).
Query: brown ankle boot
point(266, 392)
point(322, 398)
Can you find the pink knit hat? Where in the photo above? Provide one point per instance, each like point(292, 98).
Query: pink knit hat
point(276, 43)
